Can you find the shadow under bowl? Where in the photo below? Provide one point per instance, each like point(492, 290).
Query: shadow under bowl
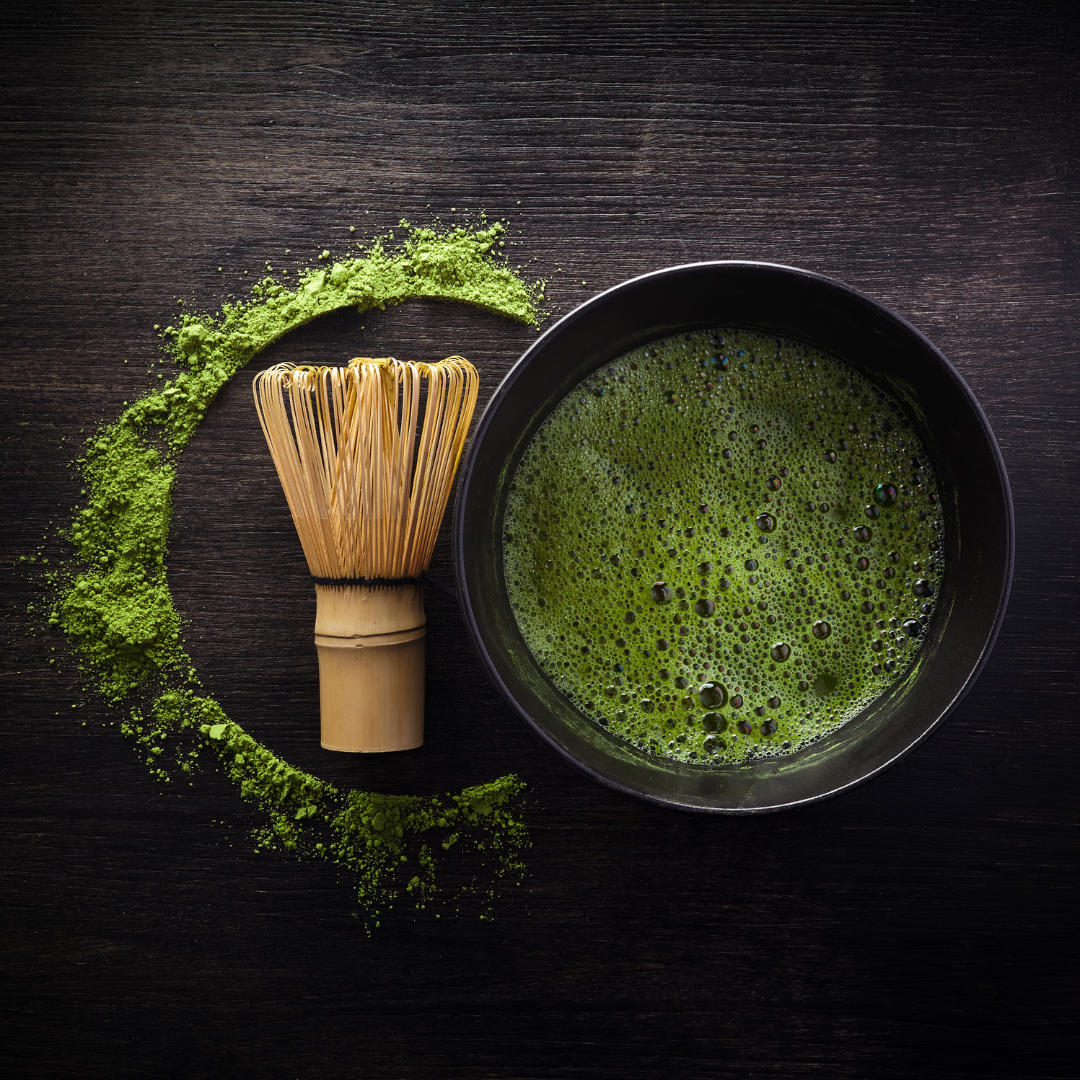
point(976, 508)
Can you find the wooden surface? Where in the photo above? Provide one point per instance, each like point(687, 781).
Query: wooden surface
point(922, 926)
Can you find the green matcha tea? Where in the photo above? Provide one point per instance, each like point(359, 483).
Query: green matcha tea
point(723, 545)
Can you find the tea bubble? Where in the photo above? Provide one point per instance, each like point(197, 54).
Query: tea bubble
point(704, 608)
point(922, 587)
point(751, 564)
point(830, 456)
point(704, 569)
point(768, 727)
point(885, 494)
point(713, 722)
point(825, 684)
point(862, 532)
point(912, 627)
point(712, 695)
point(774, 702)
point(630, 617)
point(873, 511)
point(821, 629)
point(863, 563)
point(661, 593)
point(773, 483)
point(780, 652)
point(713, 746)
point(766, 522)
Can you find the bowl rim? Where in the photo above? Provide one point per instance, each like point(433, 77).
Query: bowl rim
point(566, 322)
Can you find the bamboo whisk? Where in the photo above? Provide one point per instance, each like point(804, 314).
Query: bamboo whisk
point(367, 483)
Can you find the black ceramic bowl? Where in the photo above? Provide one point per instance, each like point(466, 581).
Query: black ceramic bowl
point(975, 498)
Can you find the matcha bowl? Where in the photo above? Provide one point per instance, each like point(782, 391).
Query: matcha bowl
point(975, 513)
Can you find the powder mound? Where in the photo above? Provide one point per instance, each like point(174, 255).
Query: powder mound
point(377, 835)
point(118, 611)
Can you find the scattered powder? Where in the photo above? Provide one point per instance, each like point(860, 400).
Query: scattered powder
point(115, 607)
point(389, 843)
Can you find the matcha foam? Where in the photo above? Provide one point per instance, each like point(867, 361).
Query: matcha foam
point(724, 545)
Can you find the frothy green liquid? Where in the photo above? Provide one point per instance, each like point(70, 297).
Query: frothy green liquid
point(723, 545)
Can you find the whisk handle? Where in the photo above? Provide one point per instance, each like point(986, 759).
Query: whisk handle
point(370, 640)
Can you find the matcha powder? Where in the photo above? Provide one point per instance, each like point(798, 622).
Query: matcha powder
point(116, 609)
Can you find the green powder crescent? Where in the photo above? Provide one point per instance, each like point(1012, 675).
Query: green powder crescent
point(116, 609)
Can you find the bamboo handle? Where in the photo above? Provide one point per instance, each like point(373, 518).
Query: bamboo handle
point(370, 641)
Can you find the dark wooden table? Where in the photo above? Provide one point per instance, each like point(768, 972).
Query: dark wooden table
point(921, 926)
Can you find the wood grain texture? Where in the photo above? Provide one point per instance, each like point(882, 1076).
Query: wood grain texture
point(927, 154)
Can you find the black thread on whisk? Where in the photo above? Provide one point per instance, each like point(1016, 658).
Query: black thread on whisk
point(374, 582)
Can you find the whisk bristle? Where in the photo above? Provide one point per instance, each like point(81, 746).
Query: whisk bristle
point(366, 479)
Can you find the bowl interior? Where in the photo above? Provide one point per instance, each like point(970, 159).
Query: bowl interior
point(975, 502)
